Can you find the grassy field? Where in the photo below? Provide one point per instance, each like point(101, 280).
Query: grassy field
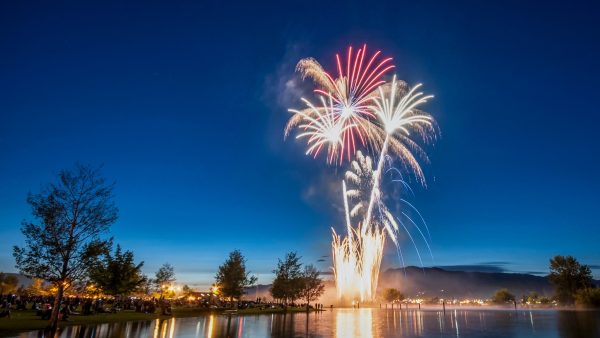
point(26, 320)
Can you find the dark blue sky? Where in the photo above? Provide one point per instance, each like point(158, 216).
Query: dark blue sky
point(184, 104)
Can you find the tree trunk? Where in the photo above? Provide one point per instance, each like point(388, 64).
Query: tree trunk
point(53, 323)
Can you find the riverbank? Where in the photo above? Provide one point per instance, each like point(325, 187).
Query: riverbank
point(26, 320)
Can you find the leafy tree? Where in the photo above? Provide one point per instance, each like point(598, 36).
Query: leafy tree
point(8, 283)
point(146, 288)
point(568, 275)
point(232, 278)
point(532, 298)
point(502, 296)
point(36, 288)
point(164, 277)
point(312, 285)
point(118, 275)
point(392, 295)
point(21, 290)
point(187, 291)
point(588, 297)
point(65, 240)
point(287, 285)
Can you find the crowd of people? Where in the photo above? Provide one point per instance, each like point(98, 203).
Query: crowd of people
point(69, 306)
point(43, 305)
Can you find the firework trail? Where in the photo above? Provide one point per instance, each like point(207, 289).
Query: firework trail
point(384, 117)
point(395, 119)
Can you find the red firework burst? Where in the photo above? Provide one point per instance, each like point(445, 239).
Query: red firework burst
point(352, 92)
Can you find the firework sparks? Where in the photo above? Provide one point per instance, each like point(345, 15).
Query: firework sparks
point(322, 128)
point(384, 116)
point(351, 92)
point(397, 119)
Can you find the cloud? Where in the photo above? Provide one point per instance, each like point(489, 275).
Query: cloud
point(539, 273)
point(473, 268)
point(495, 263)
point(325, 186)
point(284, 87)
point(492, 266)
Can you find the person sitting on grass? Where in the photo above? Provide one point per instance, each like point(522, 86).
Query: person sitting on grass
point(166, 309)
point(87, 307)
point(65, 312)
point(45, 311)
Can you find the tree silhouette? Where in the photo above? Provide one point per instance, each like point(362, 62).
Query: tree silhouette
point(232, 278)
point(287, 284)
point(312, 285)
point(118, 275)
point(164, 277)
point(568, 275)
point(65, 240)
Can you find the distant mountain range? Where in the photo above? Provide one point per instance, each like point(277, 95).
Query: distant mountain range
point(462, 284)
point(430, 282)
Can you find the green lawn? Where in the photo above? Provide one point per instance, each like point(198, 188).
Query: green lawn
point(21, 321)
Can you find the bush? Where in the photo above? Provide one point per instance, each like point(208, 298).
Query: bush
point(588, 297)
point(502, 296)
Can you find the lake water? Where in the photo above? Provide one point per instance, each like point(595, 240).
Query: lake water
point(364, 323)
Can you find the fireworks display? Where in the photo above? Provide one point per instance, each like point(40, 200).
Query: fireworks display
point(359, 109)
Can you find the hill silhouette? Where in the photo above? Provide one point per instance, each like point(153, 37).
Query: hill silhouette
point(461, 284)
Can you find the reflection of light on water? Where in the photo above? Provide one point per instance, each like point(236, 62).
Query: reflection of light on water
point(441, 321)
point(412, 319)
point(163, 329)
point(531, 320)
point(418, 320)
point(156, 325)
point(409, 318)
point(482, 320)
point(240, 326)
point(366, 323)
point(172, 327)
point(354, 323)
point(210, 326)
point(456, 322)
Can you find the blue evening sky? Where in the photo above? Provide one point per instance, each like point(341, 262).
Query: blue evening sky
point(184, 103)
